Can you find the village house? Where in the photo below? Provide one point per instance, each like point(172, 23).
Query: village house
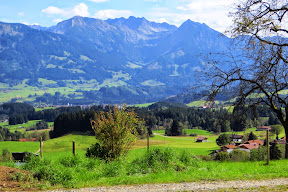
point(263, 128)
point(228, 148)
point(201, 139)
point(236, 138)
point(248, 147)
point(259, 142)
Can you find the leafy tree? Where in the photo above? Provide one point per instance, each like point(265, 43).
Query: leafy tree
point(41, 125)
point(277, 129)
point(252, 136)
point(259, 73)
point(223, 139)
point(115, 132)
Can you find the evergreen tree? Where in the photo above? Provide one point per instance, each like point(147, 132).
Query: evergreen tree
point(275, 152)
point(252, 136)
point(176, 128)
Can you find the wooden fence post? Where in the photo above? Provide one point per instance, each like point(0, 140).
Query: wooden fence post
point(74, 148)
point(267, 145)
point(147, 141)
point(41, 150)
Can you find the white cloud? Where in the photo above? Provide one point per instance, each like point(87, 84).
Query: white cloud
point(112, 13)
point(213, 13)
point(204, 5)
point(53, 11)
point(99, 1)
point(163, 20)
point(78, 10)
point(21, 14)
point(81, 10)
point(57, 20)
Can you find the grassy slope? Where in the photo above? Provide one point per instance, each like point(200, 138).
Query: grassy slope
point(91, 173)
point(22, 127)
point(63, 145)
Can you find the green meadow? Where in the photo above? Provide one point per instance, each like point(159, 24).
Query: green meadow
point(169, 159)
point(22, 127)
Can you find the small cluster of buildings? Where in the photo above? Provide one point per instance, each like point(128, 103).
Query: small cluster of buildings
point(246, 146)
point(237, 142)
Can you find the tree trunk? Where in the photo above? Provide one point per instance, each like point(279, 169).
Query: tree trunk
point(286, 145)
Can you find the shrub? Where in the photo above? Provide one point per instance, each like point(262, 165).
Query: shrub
point(115, 131)
point(193, 135)
point(206, 157)
point(6, 153)
point(222, 156)
point(259, 154)
point(97, 151)
point(238, 155)
point(154, 160)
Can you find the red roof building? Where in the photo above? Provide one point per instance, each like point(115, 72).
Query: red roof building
point(259, 142)
point(249, 146)
point(201, 139)
point(263, 128)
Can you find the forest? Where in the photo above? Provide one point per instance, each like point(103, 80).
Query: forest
point(171, 117)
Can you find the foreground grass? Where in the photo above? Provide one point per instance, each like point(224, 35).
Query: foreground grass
point(159, 165)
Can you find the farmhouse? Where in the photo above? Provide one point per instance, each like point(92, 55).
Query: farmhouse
point(236, 138)
point(263, 128)
point(259, 142)
point(201, 139)
point(228, 148)
point(248, 147)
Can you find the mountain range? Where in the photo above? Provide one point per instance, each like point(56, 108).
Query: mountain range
point(132, 53)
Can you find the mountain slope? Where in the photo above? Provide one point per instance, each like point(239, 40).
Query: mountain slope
point(131, 52)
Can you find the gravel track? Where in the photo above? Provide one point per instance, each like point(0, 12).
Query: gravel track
point(249, 185)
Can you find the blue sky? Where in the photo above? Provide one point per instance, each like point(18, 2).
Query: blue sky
point(49, 12)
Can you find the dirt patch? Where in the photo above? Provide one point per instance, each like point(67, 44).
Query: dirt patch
point(12, 179)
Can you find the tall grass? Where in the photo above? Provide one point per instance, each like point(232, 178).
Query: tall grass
point(158, 165)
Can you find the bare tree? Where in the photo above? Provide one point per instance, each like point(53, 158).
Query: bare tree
point(260, 74)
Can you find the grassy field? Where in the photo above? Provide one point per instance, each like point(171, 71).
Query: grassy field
point(22, 127)
point(170, 159)
point(64, 144)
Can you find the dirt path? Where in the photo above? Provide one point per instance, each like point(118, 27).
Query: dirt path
point(12, 179)
point(196, 186)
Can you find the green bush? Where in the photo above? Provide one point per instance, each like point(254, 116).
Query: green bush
point(206, 157)
point(157, 159)
point(97, 151)
point(259, 154)
point(238, 155)
point(6, 155)
point(222, 156)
